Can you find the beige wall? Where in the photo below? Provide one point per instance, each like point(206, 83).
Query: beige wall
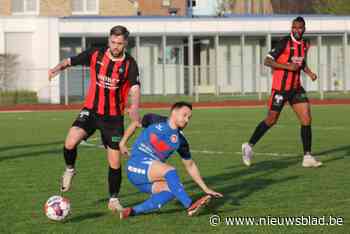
point(255, 7)
point(5, 7)
point(106, 7)
point(55, 8)
point(155, 8)
point(117, 8)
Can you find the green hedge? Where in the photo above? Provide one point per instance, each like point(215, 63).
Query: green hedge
point(18, 97)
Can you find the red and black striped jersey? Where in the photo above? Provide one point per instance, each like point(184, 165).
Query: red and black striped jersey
point(110, 81)
point(288, 50)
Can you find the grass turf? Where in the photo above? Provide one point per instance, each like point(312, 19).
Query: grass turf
point(31, 165)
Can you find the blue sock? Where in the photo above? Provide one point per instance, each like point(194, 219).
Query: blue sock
point(156, 201)
point(177, 188)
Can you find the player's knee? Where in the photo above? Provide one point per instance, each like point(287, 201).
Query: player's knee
point(160, 187)
point(307, 121)
point(271, 120)
point(115, 164)
point(70, 145)
point(169, 168)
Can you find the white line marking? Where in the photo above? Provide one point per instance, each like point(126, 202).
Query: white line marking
point(84, 143)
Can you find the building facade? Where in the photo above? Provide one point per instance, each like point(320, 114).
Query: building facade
point(176, 55)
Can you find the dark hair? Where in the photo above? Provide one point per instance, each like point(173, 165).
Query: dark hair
point(299, 19)
point(179, 105)
point(119, 30)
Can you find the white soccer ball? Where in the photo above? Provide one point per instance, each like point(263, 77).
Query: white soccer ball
point(57, 208)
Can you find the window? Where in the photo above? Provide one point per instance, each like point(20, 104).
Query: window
point(25, 7)
point(166, 3)
point(85, 7)
point(193, 2)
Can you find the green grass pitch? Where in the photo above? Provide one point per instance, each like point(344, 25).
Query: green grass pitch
point(31, 164)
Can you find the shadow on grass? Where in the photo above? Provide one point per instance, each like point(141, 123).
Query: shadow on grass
point(345, 148)
point(30, 154)
point(16, 147)
point(83, 217)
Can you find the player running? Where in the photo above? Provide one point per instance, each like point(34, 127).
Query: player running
point(146, 167)
point(287, 60)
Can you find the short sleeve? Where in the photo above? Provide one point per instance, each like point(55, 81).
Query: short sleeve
point(184, 148)
point(149, 119)
point(278, 49)
point(133, 73)
point(83, 58)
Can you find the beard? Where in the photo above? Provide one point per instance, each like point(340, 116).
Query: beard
point(117, 54)
point(298, 36)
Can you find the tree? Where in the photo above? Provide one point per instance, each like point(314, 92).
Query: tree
point(263, 7)
point(332, 7)
point(8, 63)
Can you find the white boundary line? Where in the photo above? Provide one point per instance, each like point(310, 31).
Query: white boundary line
point(210, 152)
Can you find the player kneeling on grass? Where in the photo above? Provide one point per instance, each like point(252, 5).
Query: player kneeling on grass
point(146, 167)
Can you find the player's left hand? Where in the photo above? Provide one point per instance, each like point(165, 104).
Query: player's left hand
point(213, 193)
point(313, 76)
point(123, 149)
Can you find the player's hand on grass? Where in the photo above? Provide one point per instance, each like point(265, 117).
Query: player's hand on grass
point(213, 193)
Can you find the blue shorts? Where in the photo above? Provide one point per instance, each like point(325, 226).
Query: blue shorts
point(137, 171)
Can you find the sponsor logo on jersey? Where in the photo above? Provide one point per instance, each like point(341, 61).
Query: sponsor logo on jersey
point(173, 138)
point(159, 127)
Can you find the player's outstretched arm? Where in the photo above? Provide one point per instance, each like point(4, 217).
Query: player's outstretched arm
point(193, 171)
point(128, 133)
point(59, 67)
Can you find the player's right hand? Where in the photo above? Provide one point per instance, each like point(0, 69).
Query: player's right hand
point(213, 193)
point(51, 74)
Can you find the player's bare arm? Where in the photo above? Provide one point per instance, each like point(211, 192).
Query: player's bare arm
point(128, 133)
point(193, 171)
point(135, 95)
point(308, 71)
point(59, 67)
point(275, 65)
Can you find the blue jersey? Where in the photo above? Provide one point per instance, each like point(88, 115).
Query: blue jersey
point(158, 141)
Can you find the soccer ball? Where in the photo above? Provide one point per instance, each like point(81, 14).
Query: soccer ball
point(57, 208)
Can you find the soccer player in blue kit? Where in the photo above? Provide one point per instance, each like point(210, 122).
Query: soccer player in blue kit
point(146, 167)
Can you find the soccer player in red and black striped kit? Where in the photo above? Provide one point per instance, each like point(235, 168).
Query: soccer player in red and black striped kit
point(287, 59)
point(113, 77)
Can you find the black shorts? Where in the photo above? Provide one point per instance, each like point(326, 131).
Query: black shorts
point(279, 98)
point(111, 127)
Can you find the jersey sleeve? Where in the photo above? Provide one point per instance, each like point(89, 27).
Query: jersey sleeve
point(278, 49)
point(83, 58)
point(133, 73)
point(184, 148)
point(149, 119)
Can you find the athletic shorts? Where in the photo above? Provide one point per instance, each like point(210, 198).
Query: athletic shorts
point(279, 98)
point(137, 171)
point(111, 127)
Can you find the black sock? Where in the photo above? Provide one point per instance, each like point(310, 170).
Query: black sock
point(70, 156)
point(114, 181)
point(260, 130)
point(306, 137)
